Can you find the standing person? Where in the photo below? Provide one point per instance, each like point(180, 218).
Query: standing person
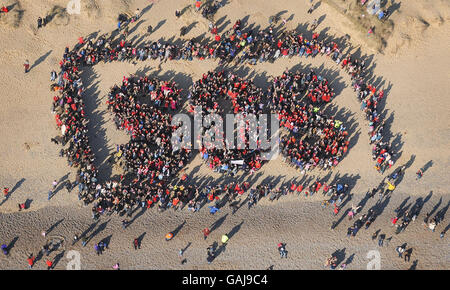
point(84, 241)
point(408, 255)
point(5, 192)
point(46, 250)
point(314, 24)
point(394, 220)
point(136, 244)
point(126, 32)
point(381, 240)
point(177, 13)
point(53, 76)
point(75, 239)
point(137, 14)
point(198, 3)
point(419, 174)
point(49, 264)
point(282, 250)
point(30, 261)
point(97, 249)
point(336, 209)
point(210, 252)
point(5, 249)
point(45, 20)
point(213, 209)
point(39, 22)
point(68, 186)
point(206, 233)
point(387, 241)
point(224, 239)
point(22, 206)
point(27, 66)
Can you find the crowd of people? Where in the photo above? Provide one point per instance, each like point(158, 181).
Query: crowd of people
point(246, 98)
point(313, 139)
point(295, 98)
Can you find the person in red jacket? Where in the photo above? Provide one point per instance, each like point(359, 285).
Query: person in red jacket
point(49, 264)
point(205, 232)
point(30, 261)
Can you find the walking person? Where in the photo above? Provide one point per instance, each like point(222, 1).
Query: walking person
point(49, 264)
point(136, 244)
point(5, 192)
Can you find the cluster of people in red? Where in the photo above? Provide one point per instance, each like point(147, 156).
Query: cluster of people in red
point(245, 98)
point(314, 139)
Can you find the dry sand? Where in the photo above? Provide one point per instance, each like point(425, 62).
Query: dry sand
point(413, 68)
